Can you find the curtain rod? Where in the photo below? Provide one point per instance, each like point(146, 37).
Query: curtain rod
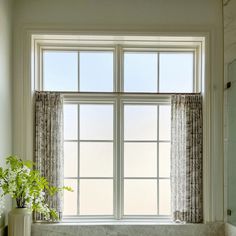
point(123, 93)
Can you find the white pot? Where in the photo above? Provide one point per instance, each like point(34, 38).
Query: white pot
point(19, 222)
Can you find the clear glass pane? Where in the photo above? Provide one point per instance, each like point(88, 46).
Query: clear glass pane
point(140, 122)
point(140, 197)
point(96, 197)
point(164, 197)
point(140, 160)
point(164, 122)
point(70, 122)
point(70, 198)
point(70, 159)
point(140, 72)
point(164, 159)
point(60, 71)
point(96, 122)
point(96, 71)
point(96, 159)
point(176, 72)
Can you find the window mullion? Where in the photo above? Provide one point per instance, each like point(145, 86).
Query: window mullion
point(119, 134)
point(118, 179)
point(158, 160)
point(78, 180)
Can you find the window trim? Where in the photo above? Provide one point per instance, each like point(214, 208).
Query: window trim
point(31, 41)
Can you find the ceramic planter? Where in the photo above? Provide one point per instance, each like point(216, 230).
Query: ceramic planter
point(19, 222)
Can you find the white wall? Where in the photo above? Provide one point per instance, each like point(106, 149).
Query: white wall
point(5, 79)
point(5, 84)
point(139, 14)
point(156, 16)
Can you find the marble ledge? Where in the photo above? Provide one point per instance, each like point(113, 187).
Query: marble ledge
point(230, 230)
point(212, 229)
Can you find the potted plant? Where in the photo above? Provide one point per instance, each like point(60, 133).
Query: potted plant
point(28, 188)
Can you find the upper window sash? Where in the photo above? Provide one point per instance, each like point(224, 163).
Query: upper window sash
point(119, 50)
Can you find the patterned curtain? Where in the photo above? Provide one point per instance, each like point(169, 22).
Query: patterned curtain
point(186, 158)
point(49, 144)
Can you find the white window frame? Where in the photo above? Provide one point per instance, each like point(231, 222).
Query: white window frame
point(118, 100)
point(129, 43)
point(95, 100)
point(139, 100)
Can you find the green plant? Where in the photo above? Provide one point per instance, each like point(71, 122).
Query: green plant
point(27, 187)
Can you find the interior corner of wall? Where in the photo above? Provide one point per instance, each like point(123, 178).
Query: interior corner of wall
point(3, 231)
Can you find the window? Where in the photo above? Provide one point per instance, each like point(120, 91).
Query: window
point(117, 123)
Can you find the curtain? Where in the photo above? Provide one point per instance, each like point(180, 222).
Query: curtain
point(186, 158)
point(49, 144)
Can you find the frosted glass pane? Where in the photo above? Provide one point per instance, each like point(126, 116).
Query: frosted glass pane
point(96, 159)
point(140, 159)
point(60, 71)
point(96, 197)
point(140, 197)
point(140, 122)
point(96, 122)
point(70, 122)
point(70, 159)
point(70, 198)
point(140, 72)
point(176, 72)
point(164, 197)
point(164, 122)
point(96, 71)
point(164, 159)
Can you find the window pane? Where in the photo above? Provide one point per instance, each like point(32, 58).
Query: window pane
point(164, 198)
point(140, 197)
point(70, 159)
point(176, 72)
point(164, 159)
point(70, 198)
point(140, 159)
point(96, 71)
point(140, 122)
point(164, 122)
point(70, 122)
point(96, 122)
point(60, 71)
point(96, 197)
point(140, 72)
point(96, 159)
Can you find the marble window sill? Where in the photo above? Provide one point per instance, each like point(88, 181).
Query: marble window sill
point(127, 229)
